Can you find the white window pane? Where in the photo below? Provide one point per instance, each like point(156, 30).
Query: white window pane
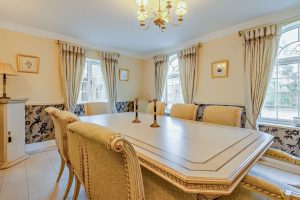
point(271, 99)
point(92, 86)
point(288, 37)
point(269, 112)
point(287, 113)
point(283, 93)
point(172, 92)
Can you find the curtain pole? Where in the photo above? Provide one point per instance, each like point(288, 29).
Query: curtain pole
point(85, 47)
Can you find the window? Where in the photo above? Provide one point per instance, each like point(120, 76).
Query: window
point(172, 92)
point(282, 101)
point(92, 86)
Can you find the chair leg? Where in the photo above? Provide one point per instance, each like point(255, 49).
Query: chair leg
point(61, 169)
point(70, 181)
point(77, 188)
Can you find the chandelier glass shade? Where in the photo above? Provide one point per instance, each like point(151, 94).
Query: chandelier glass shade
point(160, 12)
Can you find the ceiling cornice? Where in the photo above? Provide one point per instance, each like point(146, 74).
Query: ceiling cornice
point(47, 34)
point(275, 17)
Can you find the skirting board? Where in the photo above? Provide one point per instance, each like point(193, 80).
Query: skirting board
point(10, 164)
point(40, 146)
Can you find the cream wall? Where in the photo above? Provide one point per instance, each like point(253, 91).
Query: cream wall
point(127, 90)
point(44, 87)
point(228, 91)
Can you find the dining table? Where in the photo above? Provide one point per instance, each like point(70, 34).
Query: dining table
point(196, 157)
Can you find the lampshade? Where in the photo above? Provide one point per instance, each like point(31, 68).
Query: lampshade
point(181, 8)
point(7, 69)
point(142, 2)
point(142, 16)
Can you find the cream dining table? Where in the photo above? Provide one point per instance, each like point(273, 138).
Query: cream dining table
point(196, 157)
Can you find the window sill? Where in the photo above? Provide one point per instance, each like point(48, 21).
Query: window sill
point(280, 125)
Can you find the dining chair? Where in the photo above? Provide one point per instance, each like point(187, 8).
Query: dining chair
point(143, 105)
point(184, 111)
point(160, 108)
point(96, 108)
point(111, 167)
point(257, 186)
point(58, 139)
point(223, 115)
point(63, 118)
point(112, 170)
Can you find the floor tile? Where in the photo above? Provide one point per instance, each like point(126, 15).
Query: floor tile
point(16, 191)
point(35, 179)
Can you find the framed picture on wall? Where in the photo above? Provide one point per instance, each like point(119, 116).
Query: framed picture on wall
point(219, 69)
point(28, 64)
point(123, 74)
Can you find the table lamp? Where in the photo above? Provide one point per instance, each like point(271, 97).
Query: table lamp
point(6, 69)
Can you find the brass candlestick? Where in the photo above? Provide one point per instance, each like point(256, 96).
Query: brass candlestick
point(136, 120)
point(155, 124)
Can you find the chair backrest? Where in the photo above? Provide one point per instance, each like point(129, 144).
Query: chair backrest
point(64, 118)
point(143, 105)
point(160, 108)
point(96, 108)
point(184, 111)
point(223, 115)
point(111, 167)
point(57, 133)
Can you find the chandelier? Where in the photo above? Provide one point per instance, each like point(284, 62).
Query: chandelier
point(159, 11)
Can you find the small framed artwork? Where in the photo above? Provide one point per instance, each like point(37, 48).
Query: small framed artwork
point(28, 64)
point(219, 69)
point(123, 74)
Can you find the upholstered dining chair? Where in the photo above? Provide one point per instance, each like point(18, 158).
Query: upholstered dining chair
point(63, 118)
point(143, 105)
point(223, 115)
point(260, 186)
point(184, 111)
point(160, 108)
point(111, 169)
point(58, 139)
point(96, 108)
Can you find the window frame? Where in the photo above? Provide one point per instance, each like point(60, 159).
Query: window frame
point(88, 67)
point(284, 61)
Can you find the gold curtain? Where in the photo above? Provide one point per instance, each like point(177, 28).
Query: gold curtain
point(72, 60)
point(260, 49)
point(110, 62)
point(161, 72)
point(188, 64)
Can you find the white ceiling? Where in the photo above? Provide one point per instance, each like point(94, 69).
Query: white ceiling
point(112, 23)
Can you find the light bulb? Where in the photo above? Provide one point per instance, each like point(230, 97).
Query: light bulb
point(166, 17)
point(181, 8)
point(142, 16)
point(142, 2)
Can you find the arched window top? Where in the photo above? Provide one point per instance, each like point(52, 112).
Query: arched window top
point(289, 45)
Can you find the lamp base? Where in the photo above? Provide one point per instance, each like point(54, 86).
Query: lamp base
point(154, 125)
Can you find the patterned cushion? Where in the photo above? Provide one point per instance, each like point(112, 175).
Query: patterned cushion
point(285, 139)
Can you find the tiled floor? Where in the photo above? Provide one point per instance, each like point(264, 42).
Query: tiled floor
point(34, 179)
